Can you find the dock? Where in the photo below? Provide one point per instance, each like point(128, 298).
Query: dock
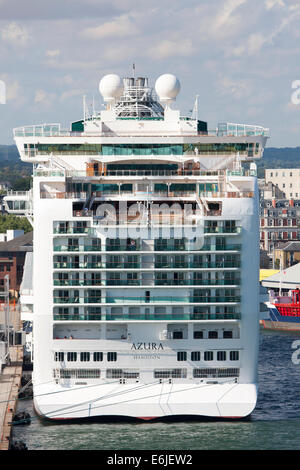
point(10, 383)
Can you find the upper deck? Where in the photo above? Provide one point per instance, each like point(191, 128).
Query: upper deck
point(140, 126)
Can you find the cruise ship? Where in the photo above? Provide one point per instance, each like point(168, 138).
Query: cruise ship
point(146, 259)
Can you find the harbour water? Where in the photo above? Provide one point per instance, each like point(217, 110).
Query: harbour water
point(274, 424)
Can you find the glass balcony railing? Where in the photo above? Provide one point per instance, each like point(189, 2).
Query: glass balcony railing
point(222, 229)
point(126, 265)
point(97, 248)
point(221, 264)
point(92, 300)
point(77, 248)
point(151, 299)
point(149, 282)
point(197, 282)
point(78, 282)
point(66, 300)
point(66, 248)
point(136, 247)
point(77, 265)
point(76, 300)
point(149, 265)
point(164, 247)
point(120, 282)
point(150, 317)
point(77, 317)
point(71, 230)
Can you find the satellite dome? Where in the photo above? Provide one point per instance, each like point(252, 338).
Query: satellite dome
point(111, 87)
point(167, 87)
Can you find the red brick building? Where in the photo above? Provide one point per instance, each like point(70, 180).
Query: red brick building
point(12, 258)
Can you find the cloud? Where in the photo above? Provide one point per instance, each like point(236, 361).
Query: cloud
point(269, 4)
point(118, 28)
point(238, 89)
point(255, 42)
point(57, 9)
point(169, 48)
point(70, 93)
point(52, 52)
point(15, 35)
point(72, 64)
point(44, 98)
point(225, 17)
point(14, 91)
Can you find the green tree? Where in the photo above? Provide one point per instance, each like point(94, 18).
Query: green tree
point(12, 222)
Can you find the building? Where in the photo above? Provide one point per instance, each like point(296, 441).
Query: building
point(12, 258)
point(5, 185)
point(265, 260)
point(269, 190)
point(287, 254)
point(286, 180)
point(279, 222)
point(10, 235)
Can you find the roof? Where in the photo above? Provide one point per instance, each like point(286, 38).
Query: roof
point(21, 243)
point(286, 279)
point(290, 246)
point(264, 273)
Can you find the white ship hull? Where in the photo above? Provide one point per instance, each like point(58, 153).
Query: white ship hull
point(147, 401)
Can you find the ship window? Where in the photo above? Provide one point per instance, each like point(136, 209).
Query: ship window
point(59, 356)
point(84, 356)
point(181, 356)
point(122, 374)
point(111, 356)
point(71, 356)
point(208, 355)
point(170, 373)
point(234, 355)
point(216, 373)
point(98, 356)
point(195, 356)
point(212, 335)
point(177, 335)
point(198, 334)
point(114, 373)
point(221, 356)
point(227, 334)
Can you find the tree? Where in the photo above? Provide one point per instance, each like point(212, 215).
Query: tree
point(12, 222)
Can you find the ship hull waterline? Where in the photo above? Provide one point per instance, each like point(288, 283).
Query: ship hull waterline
point(223, 401)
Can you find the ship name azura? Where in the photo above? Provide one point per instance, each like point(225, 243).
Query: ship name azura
point(147, 346)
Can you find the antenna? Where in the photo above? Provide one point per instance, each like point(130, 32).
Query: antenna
point(84, 107)
point(195, 109)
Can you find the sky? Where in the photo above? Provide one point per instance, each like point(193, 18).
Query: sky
point(241, 57)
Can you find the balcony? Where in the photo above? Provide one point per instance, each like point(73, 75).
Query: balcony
point(66, 300)
point(222, 229)
point(168, 300)
point(71, 230)
point(146, 317)
point(77, 300)
point(197, 282)
point(220, 264)
point(77, 317)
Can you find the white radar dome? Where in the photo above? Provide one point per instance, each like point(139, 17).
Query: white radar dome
point(167, 87)
point(111, 87)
